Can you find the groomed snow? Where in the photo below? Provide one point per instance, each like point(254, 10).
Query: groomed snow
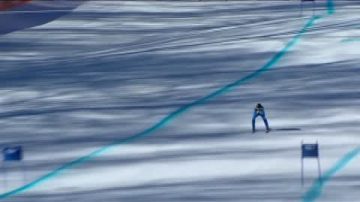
point(112, 69)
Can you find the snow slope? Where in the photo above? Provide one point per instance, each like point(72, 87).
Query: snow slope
point(112, 69)
point(22, 14)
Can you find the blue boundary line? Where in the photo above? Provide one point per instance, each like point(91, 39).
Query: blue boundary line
point(169, 118)
point(350, 40)
point(330, 7)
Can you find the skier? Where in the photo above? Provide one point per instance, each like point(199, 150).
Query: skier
point(259, 111)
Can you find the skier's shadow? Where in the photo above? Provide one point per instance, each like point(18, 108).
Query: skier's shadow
point(287, 129)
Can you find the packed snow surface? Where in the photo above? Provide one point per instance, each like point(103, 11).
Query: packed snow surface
point(112, 69)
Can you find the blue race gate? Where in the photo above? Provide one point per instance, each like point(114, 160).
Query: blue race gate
point(12, 154)
point(309, 151)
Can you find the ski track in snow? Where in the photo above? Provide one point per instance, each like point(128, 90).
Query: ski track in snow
point(168, 118)
point(317, 187)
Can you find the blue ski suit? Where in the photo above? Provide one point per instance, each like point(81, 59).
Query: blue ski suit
point(259, 111)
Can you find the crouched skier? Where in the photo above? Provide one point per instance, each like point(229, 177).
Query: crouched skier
point(259, 111)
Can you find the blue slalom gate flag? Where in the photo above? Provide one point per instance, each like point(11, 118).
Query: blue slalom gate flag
point(310, 150)
point(13, 153)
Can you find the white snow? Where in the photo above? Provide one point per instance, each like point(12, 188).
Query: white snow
point(112, 69)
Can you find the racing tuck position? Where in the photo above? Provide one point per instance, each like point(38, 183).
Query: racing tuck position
point(259, 111)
